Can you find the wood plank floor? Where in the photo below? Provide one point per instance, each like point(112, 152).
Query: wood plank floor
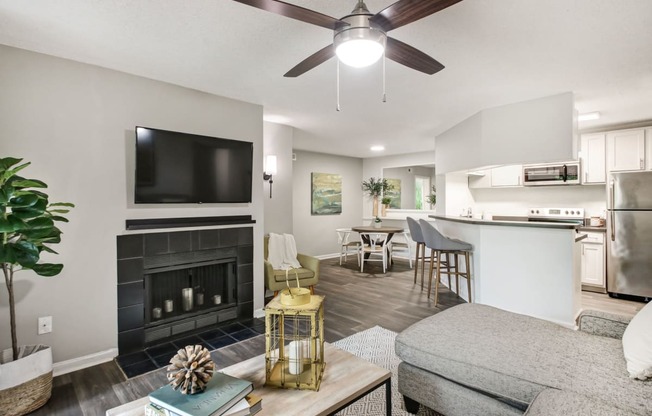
point(354, 301)
point(602, 302)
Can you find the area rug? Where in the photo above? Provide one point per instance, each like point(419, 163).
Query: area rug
point(376, 345)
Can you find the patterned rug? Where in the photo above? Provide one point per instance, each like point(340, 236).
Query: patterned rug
point(376, 345)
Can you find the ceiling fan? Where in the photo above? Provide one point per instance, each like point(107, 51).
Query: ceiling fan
point(360, 38)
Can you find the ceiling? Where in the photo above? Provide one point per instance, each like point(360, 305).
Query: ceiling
point(495, 52)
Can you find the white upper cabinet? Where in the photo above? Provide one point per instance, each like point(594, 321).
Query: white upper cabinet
point(511, 175)
point(626, 150)
point(593, 156)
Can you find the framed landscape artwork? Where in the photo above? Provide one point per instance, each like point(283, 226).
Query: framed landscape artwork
point(394, 193)
point(326, 194)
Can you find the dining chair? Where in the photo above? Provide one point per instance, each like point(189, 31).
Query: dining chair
point(347, 247)
point(374, 247)
point(401, 245)
point(440, 244)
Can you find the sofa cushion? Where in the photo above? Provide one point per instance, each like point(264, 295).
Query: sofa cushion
point(552, 402)
point(637, 344)
point(516, 357)
point(279, 275)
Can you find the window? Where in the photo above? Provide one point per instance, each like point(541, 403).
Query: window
point(421, 192)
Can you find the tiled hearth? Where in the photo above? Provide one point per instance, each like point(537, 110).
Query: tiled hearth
point(158, 356)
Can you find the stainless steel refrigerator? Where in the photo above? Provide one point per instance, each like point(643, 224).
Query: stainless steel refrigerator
point(629, 234)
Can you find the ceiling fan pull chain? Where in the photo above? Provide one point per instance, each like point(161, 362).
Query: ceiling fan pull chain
point(384, 88)
point(338, 86)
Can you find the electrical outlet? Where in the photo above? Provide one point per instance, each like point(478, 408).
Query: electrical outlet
point(44, 325)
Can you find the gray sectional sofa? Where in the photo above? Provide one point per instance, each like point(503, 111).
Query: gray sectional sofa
point(474, 359)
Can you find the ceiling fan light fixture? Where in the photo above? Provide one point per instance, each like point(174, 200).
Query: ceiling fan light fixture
point(359, 47)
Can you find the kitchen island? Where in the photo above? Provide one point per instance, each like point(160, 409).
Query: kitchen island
point(524, 267)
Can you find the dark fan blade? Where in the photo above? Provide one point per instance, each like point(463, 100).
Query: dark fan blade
point(407, 11)
point(296, 12)
point(312, 61)
point(411, 57)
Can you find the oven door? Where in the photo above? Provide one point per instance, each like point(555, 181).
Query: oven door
point(552, 174)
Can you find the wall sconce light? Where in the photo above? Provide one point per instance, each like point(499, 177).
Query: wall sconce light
point(270, 169)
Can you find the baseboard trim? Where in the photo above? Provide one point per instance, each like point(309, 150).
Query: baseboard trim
point(328, 256)
point(79, 363)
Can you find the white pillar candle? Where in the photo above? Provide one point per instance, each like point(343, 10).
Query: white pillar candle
point(295, 357)
point(305, 347)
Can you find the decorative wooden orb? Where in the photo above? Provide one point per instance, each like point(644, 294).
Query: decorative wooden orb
point(190, 369)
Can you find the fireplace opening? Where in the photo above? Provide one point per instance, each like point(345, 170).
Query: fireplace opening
point(178, 292)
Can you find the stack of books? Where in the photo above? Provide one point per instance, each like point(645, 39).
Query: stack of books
point(224, 396)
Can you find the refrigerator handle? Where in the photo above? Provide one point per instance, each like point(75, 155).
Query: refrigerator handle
point(611, 209)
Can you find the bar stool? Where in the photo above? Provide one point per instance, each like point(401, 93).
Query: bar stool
point(417, 237)
point(440, 244)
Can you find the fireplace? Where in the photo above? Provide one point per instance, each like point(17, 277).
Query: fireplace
point(174, 284)
point(183, 291)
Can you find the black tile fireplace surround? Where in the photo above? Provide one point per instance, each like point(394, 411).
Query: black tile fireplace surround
point(216, 263)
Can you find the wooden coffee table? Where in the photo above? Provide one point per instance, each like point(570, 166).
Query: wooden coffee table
point(347, 378)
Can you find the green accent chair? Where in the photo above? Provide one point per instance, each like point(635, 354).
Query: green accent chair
point(308, 273)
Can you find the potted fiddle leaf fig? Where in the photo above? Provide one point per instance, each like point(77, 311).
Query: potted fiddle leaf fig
point(27, 229)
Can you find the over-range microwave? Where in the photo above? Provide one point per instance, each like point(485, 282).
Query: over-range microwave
point(563, 173)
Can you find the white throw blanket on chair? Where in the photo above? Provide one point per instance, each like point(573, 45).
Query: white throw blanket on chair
point(282, 252)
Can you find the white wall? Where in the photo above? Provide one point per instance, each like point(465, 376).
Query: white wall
point(453, 189)
point(315, 234)
point(277, 140)
point(534, 131)
point(75, 123)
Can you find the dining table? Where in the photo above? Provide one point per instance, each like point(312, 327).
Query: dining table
point(390, 231)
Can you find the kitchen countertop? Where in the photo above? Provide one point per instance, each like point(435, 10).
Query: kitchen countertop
point(516, 222)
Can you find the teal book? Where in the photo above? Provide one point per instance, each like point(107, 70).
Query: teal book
point(222, 392)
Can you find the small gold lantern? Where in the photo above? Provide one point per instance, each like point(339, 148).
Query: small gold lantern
point(294, 344)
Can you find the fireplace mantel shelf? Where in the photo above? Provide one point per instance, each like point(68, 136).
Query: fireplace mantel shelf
point(201, 222)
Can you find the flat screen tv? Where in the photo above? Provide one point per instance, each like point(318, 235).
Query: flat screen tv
point(174, 167)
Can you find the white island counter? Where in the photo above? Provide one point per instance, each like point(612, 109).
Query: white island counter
point(525, 267)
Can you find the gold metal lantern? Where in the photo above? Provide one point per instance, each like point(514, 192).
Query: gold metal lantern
point(294, 344)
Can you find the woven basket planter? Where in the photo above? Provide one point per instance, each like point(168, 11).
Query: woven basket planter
point(25, 384)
